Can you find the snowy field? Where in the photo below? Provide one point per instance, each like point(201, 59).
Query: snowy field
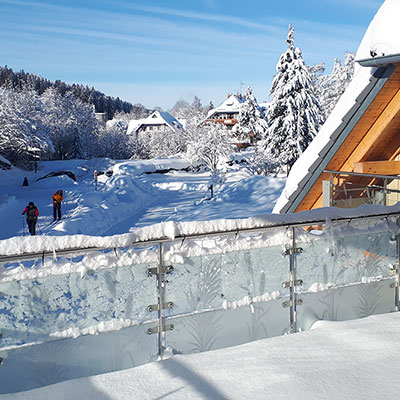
point(131, 197)
point(335, 360)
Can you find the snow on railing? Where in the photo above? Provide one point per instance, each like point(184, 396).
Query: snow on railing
point(112, 303)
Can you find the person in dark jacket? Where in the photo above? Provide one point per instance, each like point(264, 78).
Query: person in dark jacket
point(57, 199)
point(32, 214)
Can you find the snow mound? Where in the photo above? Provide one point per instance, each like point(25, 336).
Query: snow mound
point(383, 33)
point(336, 360)
point(93, 212)
point(138, 167)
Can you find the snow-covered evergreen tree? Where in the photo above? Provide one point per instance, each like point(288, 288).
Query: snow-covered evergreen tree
point(138, 111)
point(251, 122)
point(329, 87)
point(294, 114)
point(251, 127)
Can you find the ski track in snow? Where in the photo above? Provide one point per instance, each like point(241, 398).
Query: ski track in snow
point(126, 200)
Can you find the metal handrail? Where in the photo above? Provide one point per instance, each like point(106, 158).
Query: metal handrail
point(145, 243)
point(361, 174)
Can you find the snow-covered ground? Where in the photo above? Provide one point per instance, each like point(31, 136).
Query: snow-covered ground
point(335, 360)
point(130, 198)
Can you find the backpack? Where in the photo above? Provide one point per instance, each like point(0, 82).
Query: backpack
point(30, 212)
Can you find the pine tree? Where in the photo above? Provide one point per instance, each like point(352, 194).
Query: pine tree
point(294, 114)
point(330, 87)
point(251, 127)
point(251, 123)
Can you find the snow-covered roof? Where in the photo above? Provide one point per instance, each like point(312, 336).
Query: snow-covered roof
point(4, 161)
point(231, 104)
point(112, 122)
point(155, 118)
point(134, 124)
point(264, 105)
point(382, 38)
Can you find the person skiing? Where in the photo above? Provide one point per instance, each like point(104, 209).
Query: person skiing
point(25, 182)
point(57, 199)
point(32, 214)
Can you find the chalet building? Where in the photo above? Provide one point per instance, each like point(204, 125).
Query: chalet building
point(226, 113)
point(156, 121)
point(101, 117)
point(354, 159)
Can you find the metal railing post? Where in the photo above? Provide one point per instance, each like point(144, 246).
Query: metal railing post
point(397, 288)
point(160, 289)
point(292, 288)
point(385, 192)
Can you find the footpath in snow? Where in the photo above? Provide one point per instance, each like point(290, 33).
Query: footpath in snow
point(336, 360)
point(133, 197)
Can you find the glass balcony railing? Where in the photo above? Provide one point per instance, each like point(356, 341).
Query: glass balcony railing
point(124, 307)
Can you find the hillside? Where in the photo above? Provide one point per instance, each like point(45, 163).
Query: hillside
point(22, 80)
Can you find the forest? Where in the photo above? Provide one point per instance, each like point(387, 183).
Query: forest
point(41, 119)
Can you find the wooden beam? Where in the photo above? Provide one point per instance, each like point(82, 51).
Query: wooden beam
point(378, 167)
point(369, 131)
point(374, 133)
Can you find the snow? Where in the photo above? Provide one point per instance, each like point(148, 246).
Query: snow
point(230, 105)
point(139, 167)
point(4, 161)
point(134, 206)
point(382, 35)
point(353, 359)
point(130, 199)
point(356, 359)
point(156, 118)
point(134, 125)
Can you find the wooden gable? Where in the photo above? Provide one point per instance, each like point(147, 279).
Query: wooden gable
point(375, 137)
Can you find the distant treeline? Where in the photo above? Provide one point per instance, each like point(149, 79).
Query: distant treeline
point(26, 81)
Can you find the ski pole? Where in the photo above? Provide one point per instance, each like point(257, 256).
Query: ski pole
point(23, 225)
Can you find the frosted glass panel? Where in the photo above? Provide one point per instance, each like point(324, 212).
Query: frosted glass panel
point(224, 291)
point(345, 269)
point(344, 254)
point(34, 366)
point(244, 288)
point(217, 329)
point(345, 303)
point(35, 310)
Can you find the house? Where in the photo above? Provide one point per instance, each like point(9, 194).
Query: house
point(226, 113)
point(354, 159)
point(156, 121)
point(101, 117)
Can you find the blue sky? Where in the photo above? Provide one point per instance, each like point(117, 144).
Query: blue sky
point(156, 52)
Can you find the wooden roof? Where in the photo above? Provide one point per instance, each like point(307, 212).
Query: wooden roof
point(369, 133)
